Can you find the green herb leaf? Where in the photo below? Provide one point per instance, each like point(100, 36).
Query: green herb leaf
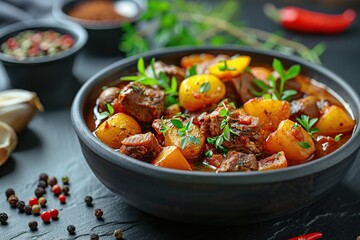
point(109, 108)
point(163, 129)
point(226, 133)
point(131, 78)
point(191, 71)
point(292, 72)
point(183, 142)
point(194, 140)
point(219, 141)
point(141, 66)
point(308, 124)
point(338, 137)
point(177, 123)
point(223, 67)
point(209, 153)
point(304, 144)
point(103, 115)
point(278, 67)
point(223, 112)
point(205, 87)
point(287, 94)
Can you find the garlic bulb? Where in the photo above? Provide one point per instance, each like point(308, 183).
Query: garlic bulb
point(8, 142)
point(18, 107)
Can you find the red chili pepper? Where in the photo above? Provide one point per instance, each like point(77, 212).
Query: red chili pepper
point(310, 236)
point(298, 19)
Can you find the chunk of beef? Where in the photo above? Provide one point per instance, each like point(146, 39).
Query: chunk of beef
point(304, 106)
point(142, 102)
point(144, 147)
point(234, 162)
point(247, 135)
point(169, 70)
point(324, 145)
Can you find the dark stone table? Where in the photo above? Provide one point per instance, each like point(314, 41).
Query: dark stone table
point(50, 145)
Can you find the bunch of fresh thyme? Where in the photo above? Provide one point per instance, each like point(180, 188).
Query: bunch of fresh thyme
point(181, 22)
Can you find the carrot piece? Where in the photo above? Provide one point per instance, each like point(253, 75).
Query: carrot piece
point(171, 157)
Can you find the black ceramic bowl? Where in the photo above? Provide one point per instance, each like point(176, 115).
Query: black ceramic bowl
point(104, 37)
point(51, 77)
point(206, 197)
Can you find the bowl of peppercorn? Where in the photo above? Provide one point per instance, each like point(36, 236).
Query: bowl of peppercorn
point(150, 171)
point(101, 19)
point(38, 55)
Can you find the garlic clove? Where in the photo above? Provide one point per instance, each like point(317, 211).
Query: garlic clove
point(8, 142)
point(18, 107)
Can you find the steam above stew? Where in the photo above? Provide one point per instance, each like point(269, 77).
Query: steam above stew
point(220, 113)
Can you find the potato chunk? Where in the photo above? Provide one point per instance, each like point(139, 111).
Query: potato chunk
point(291, 138)
point(116, 128)
point(334, 120)
point(191, 150)
point(171, 157)
point(270, 112)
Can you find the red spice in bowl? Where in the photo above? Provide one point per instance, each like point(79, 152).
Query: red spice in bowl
point(96, 10)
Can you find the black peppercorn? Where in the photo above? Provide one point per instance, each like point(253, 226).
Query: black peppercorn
point(94, 236)
point(88, 200)
point(71, 229)
point(52, 181)
point(118, 234)
point(3, 218)
point(65, 180)
point(39, 192)
point(98, 213)
point(13, 200)
point(65, 189)
point(20, 205)
point(9, 192)
point(33, 225)
point(27, 209)
point(42, 184)
point(44, 177)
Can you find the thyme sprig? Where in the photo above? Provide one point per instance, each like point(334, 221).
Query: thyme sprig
point(180, 22)
point(105, 114)
point(272, 90)
point(170, 86)
point(217, 141)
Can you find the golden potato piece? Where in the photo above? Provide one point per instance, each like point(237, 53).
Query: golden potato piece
point(200, 90)
point(191, 150)
point(293, 140)
point(116, 128)
point(270, 112)
point(334, 120)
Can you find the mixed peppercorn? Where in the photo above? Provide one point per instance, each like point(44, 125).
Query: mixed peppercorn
point(35, 205)
point(32, 43)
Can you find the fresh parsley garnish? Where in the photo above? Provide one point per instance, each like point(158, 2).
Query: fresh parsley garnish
point(304, 144)
point(205, 87)
point(308, 124)
point(272, 90)
point(191, 71)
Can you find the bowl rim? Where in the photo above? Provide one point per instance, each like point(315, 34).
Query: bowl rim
point(108, 154)
point(75, 30)
point(58, 13)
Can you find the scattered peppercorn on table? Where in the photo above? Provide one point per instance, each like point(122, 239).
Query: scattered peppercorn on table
point(55, 195)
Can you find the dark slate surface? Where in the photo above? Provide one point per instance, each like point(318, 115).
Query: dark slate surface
point(50, 145)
